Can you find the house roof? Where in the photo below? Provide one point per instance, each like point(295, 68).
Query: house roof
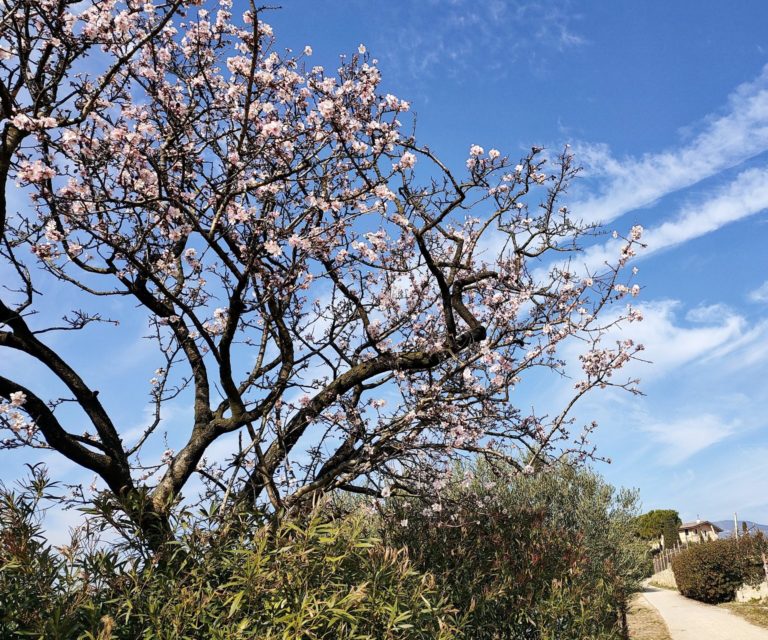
point(699, 525)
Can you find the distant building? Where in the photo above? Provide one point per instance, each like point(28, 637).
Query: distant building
point(691, 532)
point(698, 531)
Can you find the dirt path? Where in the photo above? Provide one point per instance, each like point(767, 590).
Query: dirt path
point(691, 620)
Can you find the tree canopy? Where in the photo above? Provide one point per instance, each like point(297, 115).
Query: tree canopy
point(313, 278)
point(650, 525)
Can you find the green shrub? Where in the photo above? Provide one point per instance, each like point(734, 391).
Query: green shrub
point(751, 549)
point(231, 578)
point(710, 571)
point(308, 579)
point(40, 591)
point(553, 555)
point(713, 571)
point(505, 556)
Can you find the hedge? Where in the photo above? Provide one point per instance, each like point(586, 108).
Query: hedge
point(713, 571)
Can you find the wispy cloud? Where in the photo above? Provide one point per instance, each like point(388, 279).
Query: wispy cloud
point(442, 36)
point(684, 437)
point(741, 132)
point(670, 344)
point(709, 313)
point(676, 346)
point(745, 196)
point(760, 294)
point(731, 482)
point(749, 349)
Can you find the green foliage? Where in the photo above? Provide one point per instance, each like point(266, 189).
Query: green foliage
point(651, 525)
point(552, 555)
point(547, 557)
point(712, 571)
point(39, 589)
point(709, 572)
point(670, 533)
point(751, 549)
point(312, 577)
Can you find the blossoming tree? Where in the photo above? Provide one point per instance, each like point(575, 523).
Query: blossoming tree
point(315, 279)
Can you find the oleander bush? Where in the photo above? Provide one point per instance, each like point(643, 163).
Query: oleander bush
point(498, 556)
point(308, 577)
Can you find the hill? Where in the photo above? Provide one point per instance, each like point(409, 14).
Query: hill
point(727, 527)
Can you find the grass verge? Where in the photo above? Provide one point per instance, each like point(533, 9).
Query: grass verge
point(645, 623)
point(755, 613)
point(659, 585)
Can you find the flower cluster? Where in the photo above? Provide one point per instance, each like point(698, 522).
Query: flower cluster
point(14, 419)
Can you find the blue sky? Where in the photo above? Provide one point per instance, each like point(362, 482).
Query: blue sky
point(666, 106)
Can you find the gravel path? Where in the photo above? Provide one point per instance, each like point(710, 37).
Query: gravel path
point(691, 620)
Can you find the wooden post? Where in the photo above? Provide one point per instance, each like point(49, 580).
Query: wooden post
point(765, 567)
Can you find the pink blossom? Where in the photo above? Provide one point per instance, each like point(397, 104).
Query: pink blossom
point(74, 249)
point(326, 108)
point(296, 241)
point(52, 233)
point(23, 122)
point(383, 192)
point(44, 251)
point(476, 150)
point(407, 160)
point(272, 248)
point(35, 172)
point(274, 128)
point(391, 101)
